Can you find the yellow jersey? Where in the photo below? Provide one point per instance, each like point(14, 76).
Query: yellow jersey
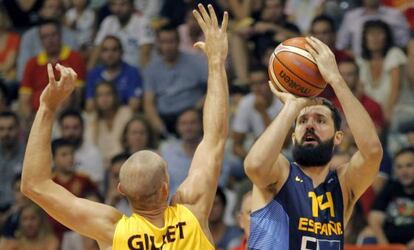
point(181, 231)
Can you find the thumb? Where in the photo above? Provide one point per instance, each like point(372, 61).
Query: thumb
point(200, 45)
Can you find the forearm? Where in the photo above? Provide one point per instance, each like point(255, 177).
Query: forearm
point(215, 115)
point(359, 121)
point(38, 157)
point(266, 149)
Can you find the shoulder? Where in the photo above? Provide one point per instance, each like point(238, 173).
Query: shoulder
point(109, 21)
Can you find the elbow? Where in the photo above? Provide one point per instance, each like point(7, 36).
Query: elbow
point(252, 166)
point(26, 188)
point(375, 151)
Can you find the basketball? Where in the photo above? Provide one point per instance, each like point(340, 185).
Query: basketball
point(293, 69)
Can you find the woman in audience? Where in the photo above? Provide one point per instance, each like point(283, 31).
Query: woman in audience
point(381, 65)
point(137, 135)
point(104, 126)
point(34, 232)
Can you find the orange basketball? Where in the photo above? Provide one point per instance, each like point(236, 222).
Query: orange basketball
point(292, 69)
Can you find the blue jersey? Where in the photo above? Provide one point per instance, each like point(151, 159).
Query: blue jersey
point(300, 217)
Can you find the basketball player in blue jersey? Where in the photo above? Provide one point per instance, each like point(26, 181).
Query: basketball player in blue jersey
point(304, 205)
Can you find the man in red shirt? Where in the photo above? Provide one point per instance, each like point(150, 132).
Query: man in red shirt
point(350, 72)
point(35, 75)
point(79, 184)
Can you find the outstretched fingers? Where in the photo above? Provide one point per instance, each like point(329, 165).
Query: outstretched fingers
point(213, 15)
point(51, 74)
point(225, 21)
point(200, 21)
point(204, 14)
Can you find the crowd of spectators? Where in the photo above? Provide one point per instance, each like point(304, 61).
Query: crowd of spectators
point(141, 85)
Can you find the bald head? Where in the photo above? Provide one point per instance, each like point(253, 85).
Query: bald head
point(142, 177)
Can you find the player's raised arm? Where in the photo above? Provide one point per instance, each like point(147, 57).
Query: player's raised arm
point(364, 164)
point(92, 219)
point(199, 189)
point(264, 164)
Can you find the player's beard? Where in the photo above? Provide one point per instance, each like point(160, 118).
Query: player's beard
point(313, 155)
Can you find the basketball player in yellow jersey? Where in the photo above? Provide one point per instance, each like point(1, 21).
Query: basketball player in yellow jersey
point(144, 178)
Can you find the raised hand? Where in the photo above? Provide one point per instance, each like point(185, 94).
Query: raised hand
point(324, 57)
point(216, 43)
point(290, 98)
point(56, 92)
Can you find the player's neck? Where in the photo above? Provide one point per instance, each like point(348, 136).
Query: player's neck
point(317, 174)
point(155, 216)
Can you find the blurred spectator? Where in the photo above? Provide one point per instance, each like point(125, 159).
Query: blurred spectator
point(127, 78)
point(173, 81)
point(222, 234)
point(11, 155)
point(34, 231)
point(35, 77)
point(269, 27)
point(350, 33)
point(178, 153)
point(406, 7)
point(112, 195)
point(23, 14)
point(74, 241)
point(88, 159)
point(173, 11)
point(67, 176)
point(104, 126)
point(149, 8)
point(190, 33)
point(350, 72)
point(82, 21)
point(381, 65)
point(357, 230)
point(392, 217)
point(243, 218)
point(9, 48)
point(133, 30)
point(255, 111)
point(32, 44)
point(302, 12)
point(138, 135)
point(9, 220)
point(323, 28)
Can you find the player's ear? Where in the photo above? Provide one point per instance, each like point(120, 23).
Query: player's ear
point(293, 138)
point(338, 136)
point(119, 188)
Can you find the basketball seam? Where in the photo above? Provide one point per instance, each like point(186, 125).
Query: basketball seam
point(297, 75)
point(296, 47)
point(274, 77)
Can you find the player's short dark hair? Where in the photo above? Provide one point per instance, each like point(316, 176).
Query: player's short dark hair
point(60, 143)
point(404, 150)
point(70, 113)
point(336, 115)
point(9, 114)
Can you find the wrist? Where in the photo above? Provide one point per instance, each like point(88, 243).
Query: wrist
point(46, 108)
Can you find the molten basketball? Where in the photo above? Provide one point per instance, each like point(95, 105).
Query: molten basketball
point(292, 69)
